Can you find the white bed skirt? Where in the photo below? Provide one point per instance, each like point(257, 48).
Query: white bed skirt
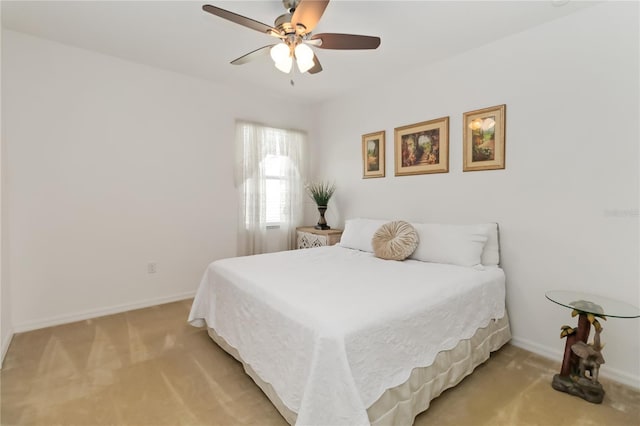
point(401, 404)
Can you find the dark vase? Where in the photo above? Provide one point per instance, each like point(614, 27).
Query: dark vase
point(322, 223)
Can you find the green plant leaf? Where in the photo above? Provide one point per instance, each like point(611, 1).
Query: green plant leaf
point(321, 192)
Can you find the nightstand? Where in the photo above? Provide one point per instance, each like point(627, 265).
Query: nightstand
point(308, 237)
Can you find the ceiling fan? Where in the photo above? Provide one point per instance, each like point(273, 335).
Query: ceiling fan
point(294, 31)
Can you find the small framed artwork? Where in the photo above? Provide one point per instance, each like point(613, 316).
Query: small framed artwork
point(422, 147)
point(373, 155)
point(484, 139)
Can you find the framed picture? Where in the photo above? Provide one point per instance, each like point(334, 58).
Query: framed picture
point(422, 147)
point(484, 139)
point(373, 155)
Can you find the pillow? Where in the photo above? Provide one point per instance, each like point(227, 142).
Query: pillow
point(455, 244)
point(394, 240)
point(358, 233)
point(491, 252)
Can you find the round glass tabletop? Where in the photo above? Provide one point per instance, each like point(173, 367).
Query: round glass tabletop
point(593, 304)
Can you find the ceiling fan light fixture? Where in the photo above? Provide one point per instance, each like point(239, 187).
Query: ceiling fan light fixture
point(281, 55)
point(304, 66)
point(293, 29)
point(280, 52)
point(304, 57)
point(285, 65)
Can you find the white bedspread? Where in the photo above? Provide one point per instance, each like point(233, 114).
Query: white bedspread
point(332, 328)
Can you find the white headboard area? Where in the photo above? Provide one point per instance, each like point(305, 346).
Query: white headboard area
point(455, 244)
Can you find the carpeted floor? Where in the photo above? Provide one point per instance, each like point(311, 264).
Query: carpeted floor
point(149, 367)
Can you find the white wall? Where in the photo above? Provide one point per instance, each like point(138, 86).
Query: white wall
point(6, 331)
point(111, 165)
point(567, 202)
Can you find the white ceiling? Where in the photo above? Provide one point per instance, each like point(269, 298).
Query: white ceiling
point(179, 36)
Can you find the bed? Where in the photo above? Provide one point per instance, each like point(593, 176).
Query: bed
point(335, 335)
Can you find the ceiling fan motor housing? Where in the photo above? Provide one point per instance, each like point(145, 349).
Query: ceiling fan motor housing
point(283, 24)
point(290, 5)
point(285, 27)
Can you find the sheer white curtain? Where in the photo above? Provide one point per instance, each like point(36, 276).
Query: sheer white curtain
point(270, 175)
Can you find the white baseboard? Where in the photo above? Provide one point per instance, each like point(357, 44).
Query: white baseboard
point(95, 313)
point(5, 346)
point(556, 355)
point(538, 349)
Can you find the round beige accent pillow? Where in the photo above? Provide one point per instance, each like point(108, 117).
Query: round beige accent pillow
point(395, 240)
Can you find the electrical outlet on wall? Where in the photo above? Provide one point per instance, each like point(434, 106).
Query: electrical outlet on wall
point(152, 267)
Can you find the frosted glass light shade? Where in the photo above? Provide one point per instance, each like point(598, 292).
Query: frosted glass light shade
point(285, 65)
point(304, 57)
point(280, 52)
point(281, 55)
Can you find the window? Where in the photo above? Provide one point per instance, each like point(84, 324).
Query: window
point(276, 188)
point(271, 171)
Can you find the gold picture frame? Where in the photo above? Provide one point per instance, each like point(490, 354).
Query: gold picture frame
point(484, 139)
point(373, 158)
point(422, 148)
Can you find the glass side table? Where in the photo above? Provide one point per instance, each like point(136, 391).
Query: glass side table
point(582, 360)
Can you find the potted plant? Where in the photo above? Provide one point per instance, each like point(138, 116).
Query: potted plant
point(321, 193)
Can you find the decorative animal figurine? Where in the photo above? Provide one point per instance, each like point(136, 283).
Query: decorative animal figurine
point(590, 356)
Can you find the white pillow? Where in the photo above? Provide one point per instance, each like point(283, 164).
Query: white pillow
point(491, 252)
point(455, 244)
point(358, 233)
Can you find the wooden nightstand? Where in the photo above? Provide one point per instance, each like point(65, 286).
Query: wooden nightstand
point(308, 236)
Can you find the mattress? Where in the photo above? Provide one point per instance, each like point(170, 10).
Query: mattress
point(401, 404)
point(335, 327)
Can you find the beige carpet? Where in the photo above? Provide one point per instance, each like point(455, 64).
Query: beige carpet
point(149, 367)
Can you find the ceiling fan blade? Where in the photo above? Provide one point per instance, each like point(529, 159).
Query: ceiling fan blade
point(239, 19)
point(308, 13)
point(316, 66)
point(346, 41)
point(258, 53)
